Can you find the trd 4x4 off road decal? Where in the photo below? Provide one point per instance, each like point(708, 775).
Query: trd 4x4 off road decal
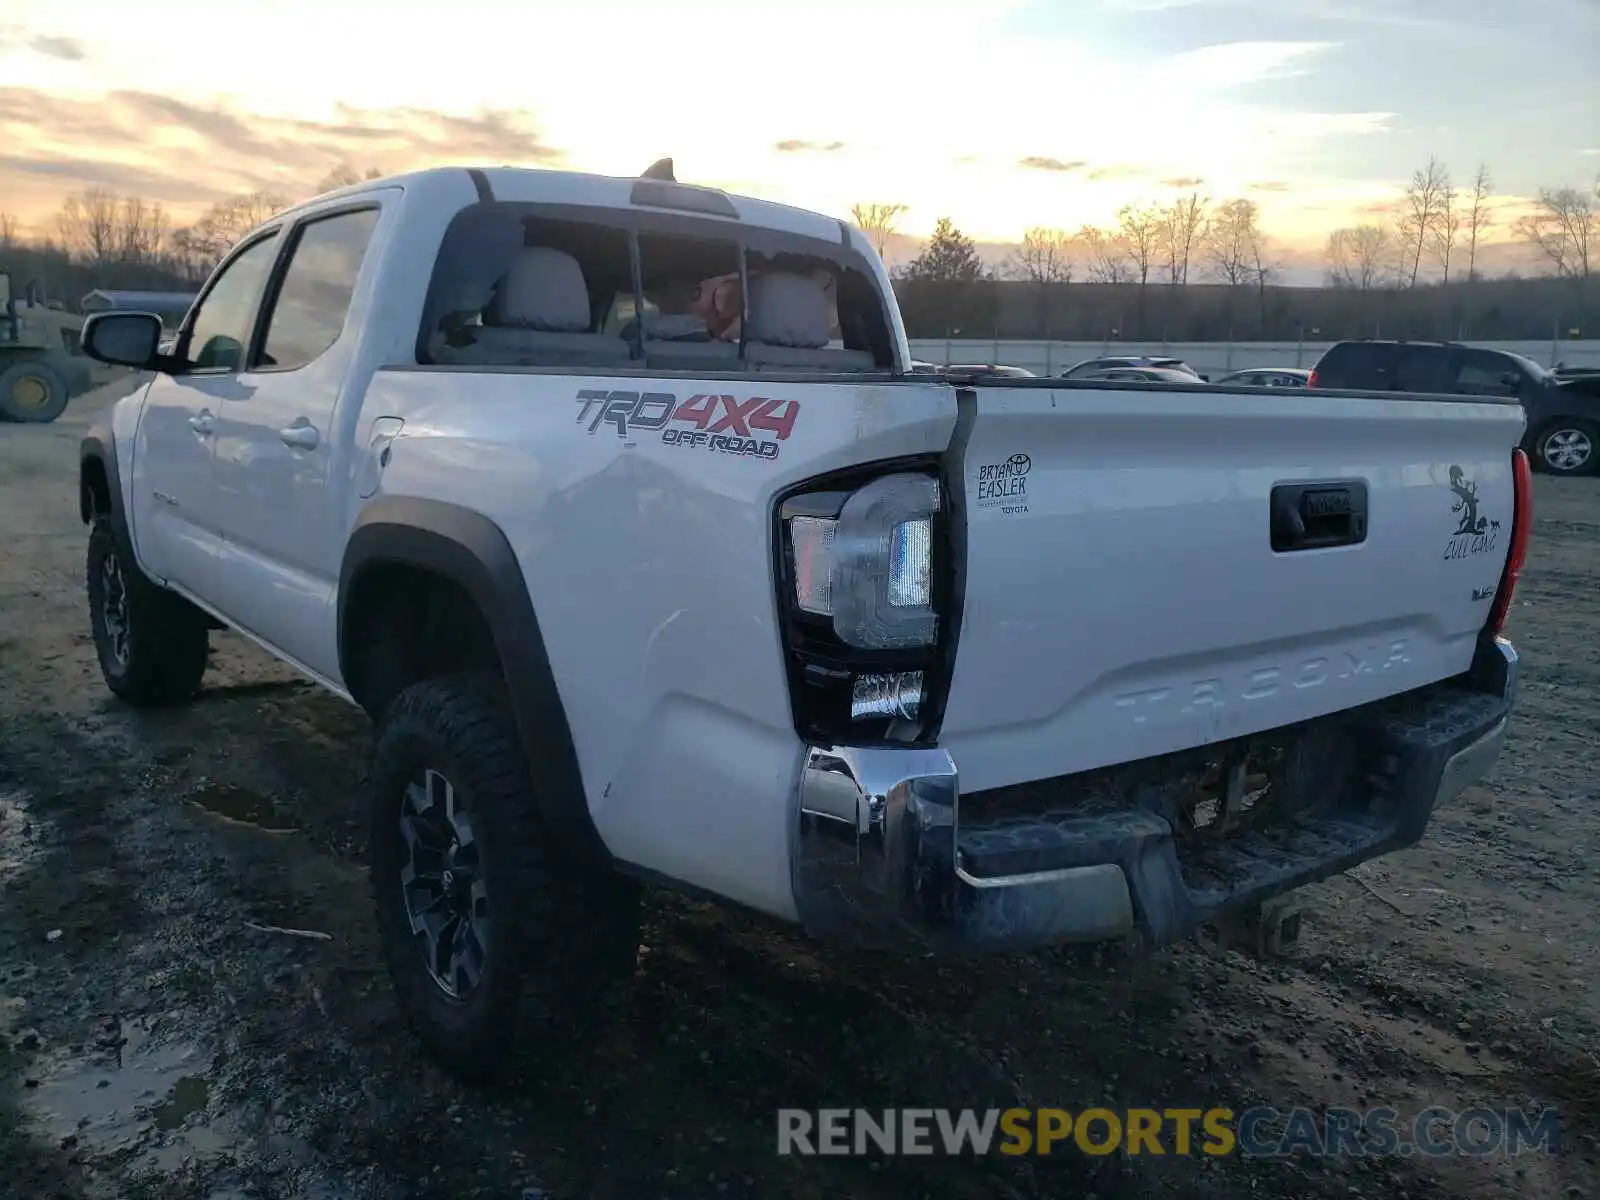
point(1475, 534)
point(724, 424)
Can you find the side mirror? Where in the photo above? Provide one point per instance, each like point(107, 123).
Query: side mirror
point(1512, 382)
point(124, 339)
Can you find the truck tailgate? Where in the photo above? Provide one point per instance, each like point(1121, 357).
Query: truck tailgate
point(1123, 594)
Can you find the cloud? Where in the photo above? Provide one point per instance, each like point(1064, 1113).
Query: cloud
point(800, 146)
point(1183, 182)
point(1038, 162)
point(1118, 171)
point(1230, 64)
point(65, 48)
point(48, 45)
point(189, 153)
point(1269, 185)
point(1377, 13)
point(119, 177)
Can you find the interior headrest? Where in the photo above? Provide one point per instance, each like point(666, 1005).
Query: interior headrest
point(788, 309)
point(543, 290)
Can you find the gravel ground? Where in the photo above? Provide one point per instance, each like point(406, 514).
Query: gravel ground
point(154, 1042)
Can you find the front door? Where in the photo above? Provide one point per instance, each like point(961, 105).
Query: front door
point(174, 519)
point(276, 440)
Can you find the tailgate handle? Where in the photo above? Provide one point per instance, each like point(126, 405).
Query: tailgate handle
point(1314, 516)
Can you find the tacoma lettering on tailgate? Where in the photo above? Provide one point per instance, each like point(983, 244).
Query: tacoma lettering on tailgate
point(1261, 683)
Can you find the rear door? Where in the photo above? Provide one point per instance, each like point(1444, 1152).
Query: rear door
point(1423, 369)
point(1124, 597)
point(1365, 365)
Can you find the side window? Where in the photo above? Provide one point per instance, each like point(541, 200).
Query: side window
point(309, 312)
point(1421, 369)
point(1480, 374)
point(222, 322)
point(1356, 365)
point(512, 287)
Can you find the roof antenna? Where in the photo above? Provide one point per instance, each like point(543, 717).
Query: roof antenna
point(660, 169)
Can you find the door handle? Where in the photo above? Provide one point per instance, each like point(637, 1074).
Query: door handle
point(299, 437)
point(201, 422)
point(1315, 516)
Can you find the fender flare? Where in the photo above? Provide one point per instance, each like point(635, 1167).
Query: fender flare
point(99, 445)
point(470, 550)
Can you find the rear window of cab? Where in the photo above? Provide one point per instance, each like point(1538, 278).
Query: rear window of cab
point(530, 285)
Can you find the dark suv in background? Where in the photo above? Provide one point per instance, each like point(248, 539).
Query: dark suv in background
point(1563, 414)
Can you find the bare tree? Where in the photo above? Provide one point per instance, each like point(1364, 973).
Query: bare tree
point(344, 175)
point(879, 222)
point(1262, 269)
point(1359, 256)
point(1563, 228)
point(1141, 228)
point(1420, 211)
point(224, 223)
point(1446, 230)
point(1045, 256)
point(8, 231)
point(1105, 255)
point(1183, 227)
point(142, 231)
point(1230, 241)
point(88, 223)
point(1479, 218)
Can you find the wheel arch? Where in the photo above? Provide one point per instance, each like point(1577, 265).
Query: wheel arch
point(468, 552)
point(99, 482)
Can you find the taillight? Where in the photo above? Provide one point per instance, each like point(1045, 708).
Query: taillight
point(864, 576)
point(1521, 531)
point(1311, 379)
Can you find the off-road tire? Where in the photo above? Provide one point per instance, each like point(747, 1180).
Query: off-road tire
point(32, 392)
point(1554, 451)
point(165, 639)
point(559, 937)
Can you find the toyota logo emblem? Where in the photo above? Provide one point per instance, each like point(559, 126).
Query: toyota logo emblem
point(1020, 464)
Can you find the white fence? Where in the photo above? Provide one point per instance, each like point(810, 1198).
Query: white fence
point(1210, 358)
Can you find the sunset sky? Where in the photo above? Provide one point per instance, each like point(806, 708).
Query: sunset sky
point(1000, 113)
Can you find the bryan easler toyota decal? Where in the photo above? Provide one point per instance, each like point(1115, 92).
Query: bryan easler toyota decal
point(1004, 485)
point(750, 428)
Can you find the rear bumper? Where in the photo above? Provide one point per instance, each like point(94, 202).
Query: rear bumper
point(884, 857)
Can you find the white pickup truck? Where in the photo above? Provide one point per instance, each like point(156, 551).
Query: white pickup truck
point(616, 505)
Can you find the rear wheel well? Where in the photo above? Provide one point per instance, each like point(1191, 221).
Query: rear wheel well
point(94, 489)
point(403, 624)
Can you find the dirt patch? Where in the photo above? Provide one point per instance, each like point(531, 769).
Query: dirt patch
point(180, 1043)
